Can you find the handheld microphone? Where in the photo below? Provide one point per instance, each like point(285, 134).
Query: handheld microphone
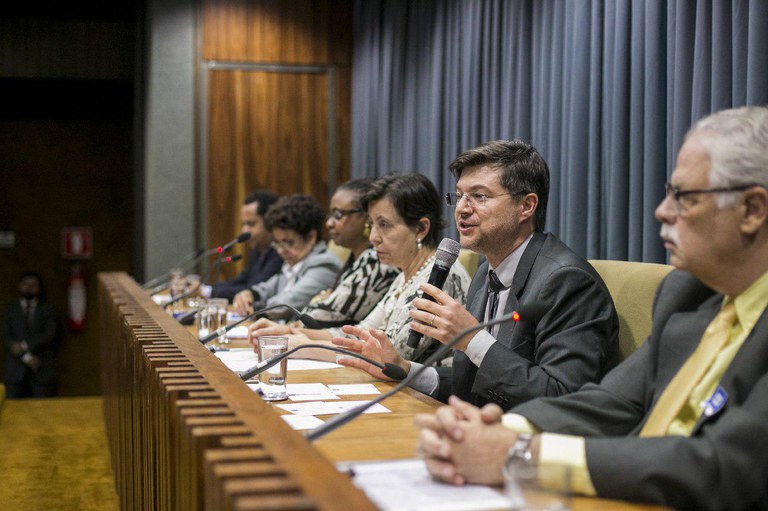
point(446, 255)
point(228, 259)
point(308, 321)
point(390, 370)
point(529, 312)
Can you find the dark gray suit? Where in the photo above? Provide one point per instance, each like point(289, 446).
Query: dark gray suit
point(42, 335)
point(575, 342)
point(723, 465)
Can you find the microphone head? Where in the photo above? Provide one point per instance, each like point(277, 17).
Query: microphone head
point(532, 311)
point(447, 252)
point(310, 322)
point(244, 236)
point(394, 371)
point(232, 259)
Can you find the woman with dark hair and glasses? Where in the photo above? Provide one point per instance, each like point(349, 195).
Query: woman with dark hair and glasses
point(363, 280)
point(296, 223)
point(405, 215)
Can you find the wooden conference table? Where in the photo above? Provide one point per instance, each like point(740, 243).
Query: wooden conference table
point(185, 433)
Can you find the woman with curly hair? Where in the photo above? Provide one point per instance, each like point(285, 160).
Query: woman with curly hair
point(296, 223)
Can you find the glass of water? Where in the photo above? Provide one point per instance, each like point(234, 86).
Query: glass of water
point(206, 318)
point(218, 307)
point(272, 381)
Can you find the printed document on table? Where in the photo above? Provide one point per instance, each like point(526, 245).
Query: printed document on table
point(354, 389)
point(405, 485)
point(329, 408)
point(238, 359)
point(300, 364)
point(309, 392)
point(301, 422)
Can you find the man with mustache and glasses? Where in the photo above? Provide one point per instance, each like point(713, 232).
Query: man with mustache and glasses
point(682, 422)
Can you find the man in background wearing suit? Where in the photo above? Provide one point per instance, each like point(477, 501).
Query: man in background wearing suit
point(501, 200)
point(31, 332)
point(684, 420)
point(263, 260)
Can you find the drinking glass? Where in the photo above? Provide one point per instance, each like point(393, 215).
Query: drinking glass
point(272, 381)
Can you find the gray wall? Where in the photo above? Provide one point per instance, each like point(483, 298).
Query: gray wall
point(167, 190)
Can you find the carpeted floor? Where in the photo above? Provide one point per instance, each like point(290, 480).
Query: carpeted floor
point(54, 455)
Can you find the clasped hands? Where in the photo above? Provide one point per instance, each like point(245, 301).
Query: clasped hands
point(463, 444)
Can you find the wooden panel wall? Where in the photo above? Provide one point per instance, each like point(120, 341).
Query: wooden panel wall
point(59, 173)
point(274, 69)
point(66, 156)
point(315, 32)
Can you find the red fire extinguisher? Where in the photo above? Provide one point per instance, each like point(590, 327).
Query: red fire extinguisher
point(76, 299)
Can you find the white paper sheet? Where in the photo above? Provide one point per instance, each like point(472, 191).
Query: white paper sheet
point(300, 364)
point(239, 332)
point(309, 392)
point(354, 389)
point(300, 422)
point(238, 359)
point(324, 408)
point(161, 299)
point(386, 483)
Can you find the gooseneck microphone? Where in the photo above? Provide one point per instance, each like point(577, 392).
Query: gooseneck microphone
point(184, 263)
point(390, 370)
point(161, 283)
point(446, 255)
point(308, 321)
point(530, 312)
point(244, 236)
point(229, 259)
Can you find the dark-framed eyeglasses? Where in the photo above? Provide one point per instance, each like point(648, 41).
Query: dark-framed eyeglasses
point(677, 195)
point(284, 245)
point(473, 199)
point(337, 214)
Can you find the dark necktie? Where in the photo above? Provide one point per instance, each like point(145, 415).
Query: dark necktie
point(494, 286)
point(28, 313)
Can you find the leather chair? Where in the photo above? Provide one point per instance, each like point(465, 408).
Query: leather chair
point(633, 288)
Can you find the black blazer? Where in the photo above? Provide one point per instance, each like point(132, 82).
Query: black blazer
point(42, 339)
point(723, 465)
point(575, 342)
point(260, 267)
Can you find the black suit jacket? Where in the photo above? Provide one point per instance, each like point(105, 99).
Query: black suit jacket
point(723, 465)
point(260, 267)
point(42, 339)
point(575, 342)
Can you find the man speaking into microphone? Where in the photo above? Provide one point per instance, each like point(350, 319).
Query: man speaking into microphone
point(501, 197)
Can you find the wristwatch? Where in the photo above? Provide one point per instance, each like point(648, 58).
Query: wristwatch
point(521, 449)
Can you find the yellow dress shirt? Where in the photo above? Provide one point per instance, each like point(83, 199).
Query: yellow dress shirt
point(569, 450)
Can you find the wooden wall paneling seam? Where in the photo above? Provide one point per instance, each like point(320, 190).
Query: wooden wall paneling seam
point(280, 127)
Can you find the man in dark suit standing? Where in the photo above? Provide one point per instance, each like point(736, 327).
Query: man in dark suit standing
point(501, 199)
point(683, 421)
point(31, 333)
point(263, 260)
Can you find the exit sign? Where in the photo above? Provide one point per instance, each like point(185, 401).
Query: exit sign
point(76, 242)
